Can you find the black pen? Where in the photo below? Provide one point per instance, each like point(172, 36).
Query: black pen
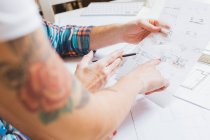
point(125, 55)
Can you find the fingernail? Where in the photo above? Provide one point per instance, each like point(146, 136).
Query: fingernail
point(157, 59)
point(94, 51)
point(114, 133)
point(165, 31)
point(167, 26)
point(166, 82)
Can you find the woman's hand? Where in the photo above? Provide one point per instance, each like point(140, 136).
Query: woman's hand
point(151, 78)
point(144, 79)
point(136, 31)
point(94, 75)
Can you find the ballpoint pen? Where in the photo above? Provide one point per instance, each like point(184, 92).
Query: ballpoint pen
point(125, 55)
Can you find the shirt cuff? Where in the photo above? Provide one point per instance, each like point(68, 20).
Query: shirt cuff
point(81, 41)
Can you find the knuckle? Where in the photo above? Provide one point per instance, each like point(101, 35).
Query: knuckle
point(113, 57)
point(104, 72)
point(102, 76)
point(99, 66)
point(79, 66)
point(116, 64)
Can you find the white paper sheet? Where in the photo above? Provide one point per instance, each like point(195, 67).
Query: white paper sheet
point(195, 88)
point(178, 121)
point(179, 51)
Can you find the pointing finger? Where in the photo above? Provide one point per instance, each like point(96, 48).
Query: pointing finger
point(159, 23)
point(153, 62)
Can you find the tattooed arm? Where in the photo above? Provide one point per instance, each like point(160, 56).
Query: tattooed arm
point(42, 99)
point(36, 88)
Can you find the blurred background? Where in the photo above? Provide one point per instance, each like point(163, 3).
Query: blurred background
point(76, 4)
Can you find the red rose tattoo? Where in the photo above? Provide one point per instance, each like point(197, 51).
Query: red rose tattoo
point(46, 90)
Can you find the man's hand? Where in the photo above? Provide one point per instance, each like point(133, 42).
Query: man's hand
point(136, 31)
point(132, 32)
point(94, 76)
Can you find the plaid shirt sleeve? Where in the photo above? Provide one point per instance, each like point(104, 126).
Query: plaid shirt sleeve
point(69, 40)
point(8, 132)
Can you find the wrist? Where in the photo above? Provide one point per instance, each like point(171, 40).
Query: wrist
point(116, 33)
point(120, 32)
point(102, 36)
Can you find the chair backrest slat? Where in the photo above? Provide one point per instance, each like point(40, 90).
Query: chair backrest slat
point(47, 8)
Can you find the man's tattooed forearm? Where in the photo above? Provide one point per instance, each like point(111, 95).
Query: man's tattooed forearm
point(12, 76)
point(76, 88)
point(84, 99)
point(39, 77)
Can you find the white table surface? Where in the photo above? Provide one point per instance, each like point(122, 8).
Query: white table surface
point(180, 120)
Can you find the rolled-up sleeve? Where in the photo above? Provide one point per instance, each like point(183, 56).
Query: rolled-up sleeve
point(8, 132)
point(69, 40)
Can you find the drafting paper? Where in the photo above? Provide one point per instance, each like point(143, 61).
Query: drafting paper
point(179, 51)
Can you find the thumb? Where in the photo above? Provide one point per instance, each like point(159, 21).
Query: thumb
point(87, 59)
point(150, 27)
point(165, 83)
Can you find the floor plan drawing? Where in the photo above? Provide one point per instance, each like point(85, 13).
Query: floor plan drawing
point(195, 79)
point(179, 51)
point(181, 48)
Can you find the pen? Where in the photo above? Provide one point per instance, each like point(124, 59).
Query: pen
point(130, 54)
point(125, 55)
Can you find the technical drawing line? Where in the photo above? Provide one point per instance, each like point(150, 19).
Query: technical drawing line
point(191, 86)
point(134, 125)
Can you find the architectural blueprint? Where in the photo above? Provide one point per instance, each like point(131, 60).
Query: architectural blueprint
point(195, 88)
point(187, 37)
